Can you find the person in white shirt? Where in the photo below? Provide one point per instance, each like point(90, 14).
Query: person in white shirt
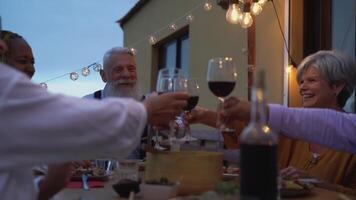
point(39, 127)
point(19, 56)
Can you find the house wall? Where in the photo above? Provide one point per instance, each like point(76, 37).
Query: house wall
point(270, 48)
point(296, 49)
point(210, 36)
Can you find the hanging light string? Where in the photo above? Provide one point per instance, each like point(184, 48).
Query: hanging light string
point(188, 15)
point(242, 19)
point(284, 38)
point(85, 71)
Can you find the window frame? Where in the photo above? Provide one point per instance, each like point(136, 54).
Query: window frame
point(177, 38)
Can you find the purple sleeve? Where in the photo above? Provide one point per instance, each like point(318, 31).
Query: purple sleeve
point(322, 126)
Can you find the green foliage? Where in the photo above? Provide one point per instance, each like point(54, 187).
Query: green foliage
point(227, 188)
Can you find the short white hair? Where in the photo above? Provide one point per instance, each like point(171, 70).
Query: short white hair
point(115, 51)
point(335, 67)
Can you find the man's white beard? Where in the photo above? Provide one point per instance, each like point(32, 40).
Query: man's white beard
point(113, 89)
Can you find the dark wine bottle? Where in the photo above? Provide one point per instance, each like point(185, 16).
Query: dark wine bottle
point(259, 176)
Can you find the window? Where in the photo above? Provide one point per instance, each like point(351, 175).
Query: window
point(174, 53)
point(330, 24)
point(343, 35)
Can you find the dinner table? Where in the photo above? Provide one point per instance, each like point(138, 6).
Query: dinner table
point(107, 193)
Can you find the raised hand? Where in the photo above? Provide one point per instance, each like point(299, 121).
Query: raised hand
point(163, 108)
point(203, 116)
point(236, 109)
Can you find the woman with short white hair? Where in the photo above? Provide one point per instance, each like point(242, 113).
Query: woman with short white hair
point(326, 79)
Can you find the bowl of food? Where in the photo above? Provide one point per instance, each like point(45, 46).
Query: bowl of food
point(125, 186)
point(160, 189)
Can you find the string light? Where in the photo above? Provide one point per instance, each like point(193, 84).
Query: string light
point(246, 20)
point(233, 14)
point(173, 26)
point(85, 71)
point(44, 85)
point(246, 17)
point(97, 67)
point(74, 76)
point(152, 40)
point(207, 6)
point(256, 8)
point(289, 69)
point(133, 51)
point(189, 18)
point(262, 2)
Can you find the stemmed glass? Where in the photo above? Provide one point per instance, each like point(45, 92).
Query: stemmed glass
point(192, 88)
point(165, 83)
point(221, 79)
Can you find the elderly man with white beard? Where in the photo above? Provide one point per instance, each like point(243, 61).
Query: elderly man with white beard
point(120, 75)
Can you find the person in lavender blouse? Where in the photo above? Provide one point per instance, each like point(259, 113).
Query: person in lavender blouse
point(326, 80)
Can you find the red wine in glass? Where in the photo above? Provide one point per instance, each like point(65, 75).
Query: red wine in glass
point(221, 88)
point(221, 78)
point(192, 102)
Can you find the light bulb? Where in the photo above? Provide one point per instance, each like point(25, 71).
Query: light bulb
point(133, 51)
point(233, 14)
point(246, 20)
point(207, 6)
point(289, 69)
point(256, 8)
point(189, 18)
point(173, 26)
point(152, 40)
point(85, 71)
point(262, 2)
point(74, 76)
point(97, 67)
point(44, 85)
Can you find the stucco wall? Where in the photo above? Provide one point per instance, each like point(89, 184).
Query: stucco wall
point(269, 49)
point(210, 36)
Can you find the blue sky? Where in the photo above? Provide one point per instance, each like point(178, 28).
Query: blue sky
point(66, 35)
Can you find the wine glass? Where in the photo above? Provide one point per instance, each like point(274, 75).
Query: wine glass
point(191, 87)
point(165, 83)
point(170, 73)
point(221, 79)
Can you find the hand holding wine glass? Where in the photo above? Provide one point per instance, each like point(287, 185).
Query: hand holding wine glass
point(192, 88)
point(165, 83)
point(221, 79)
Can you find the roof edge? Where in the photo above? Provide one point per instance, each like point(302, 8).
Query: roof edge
point(137, 7)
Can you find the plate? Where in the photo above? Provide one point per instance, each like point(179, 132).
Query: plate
point(229, 177)
point(295, 188)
